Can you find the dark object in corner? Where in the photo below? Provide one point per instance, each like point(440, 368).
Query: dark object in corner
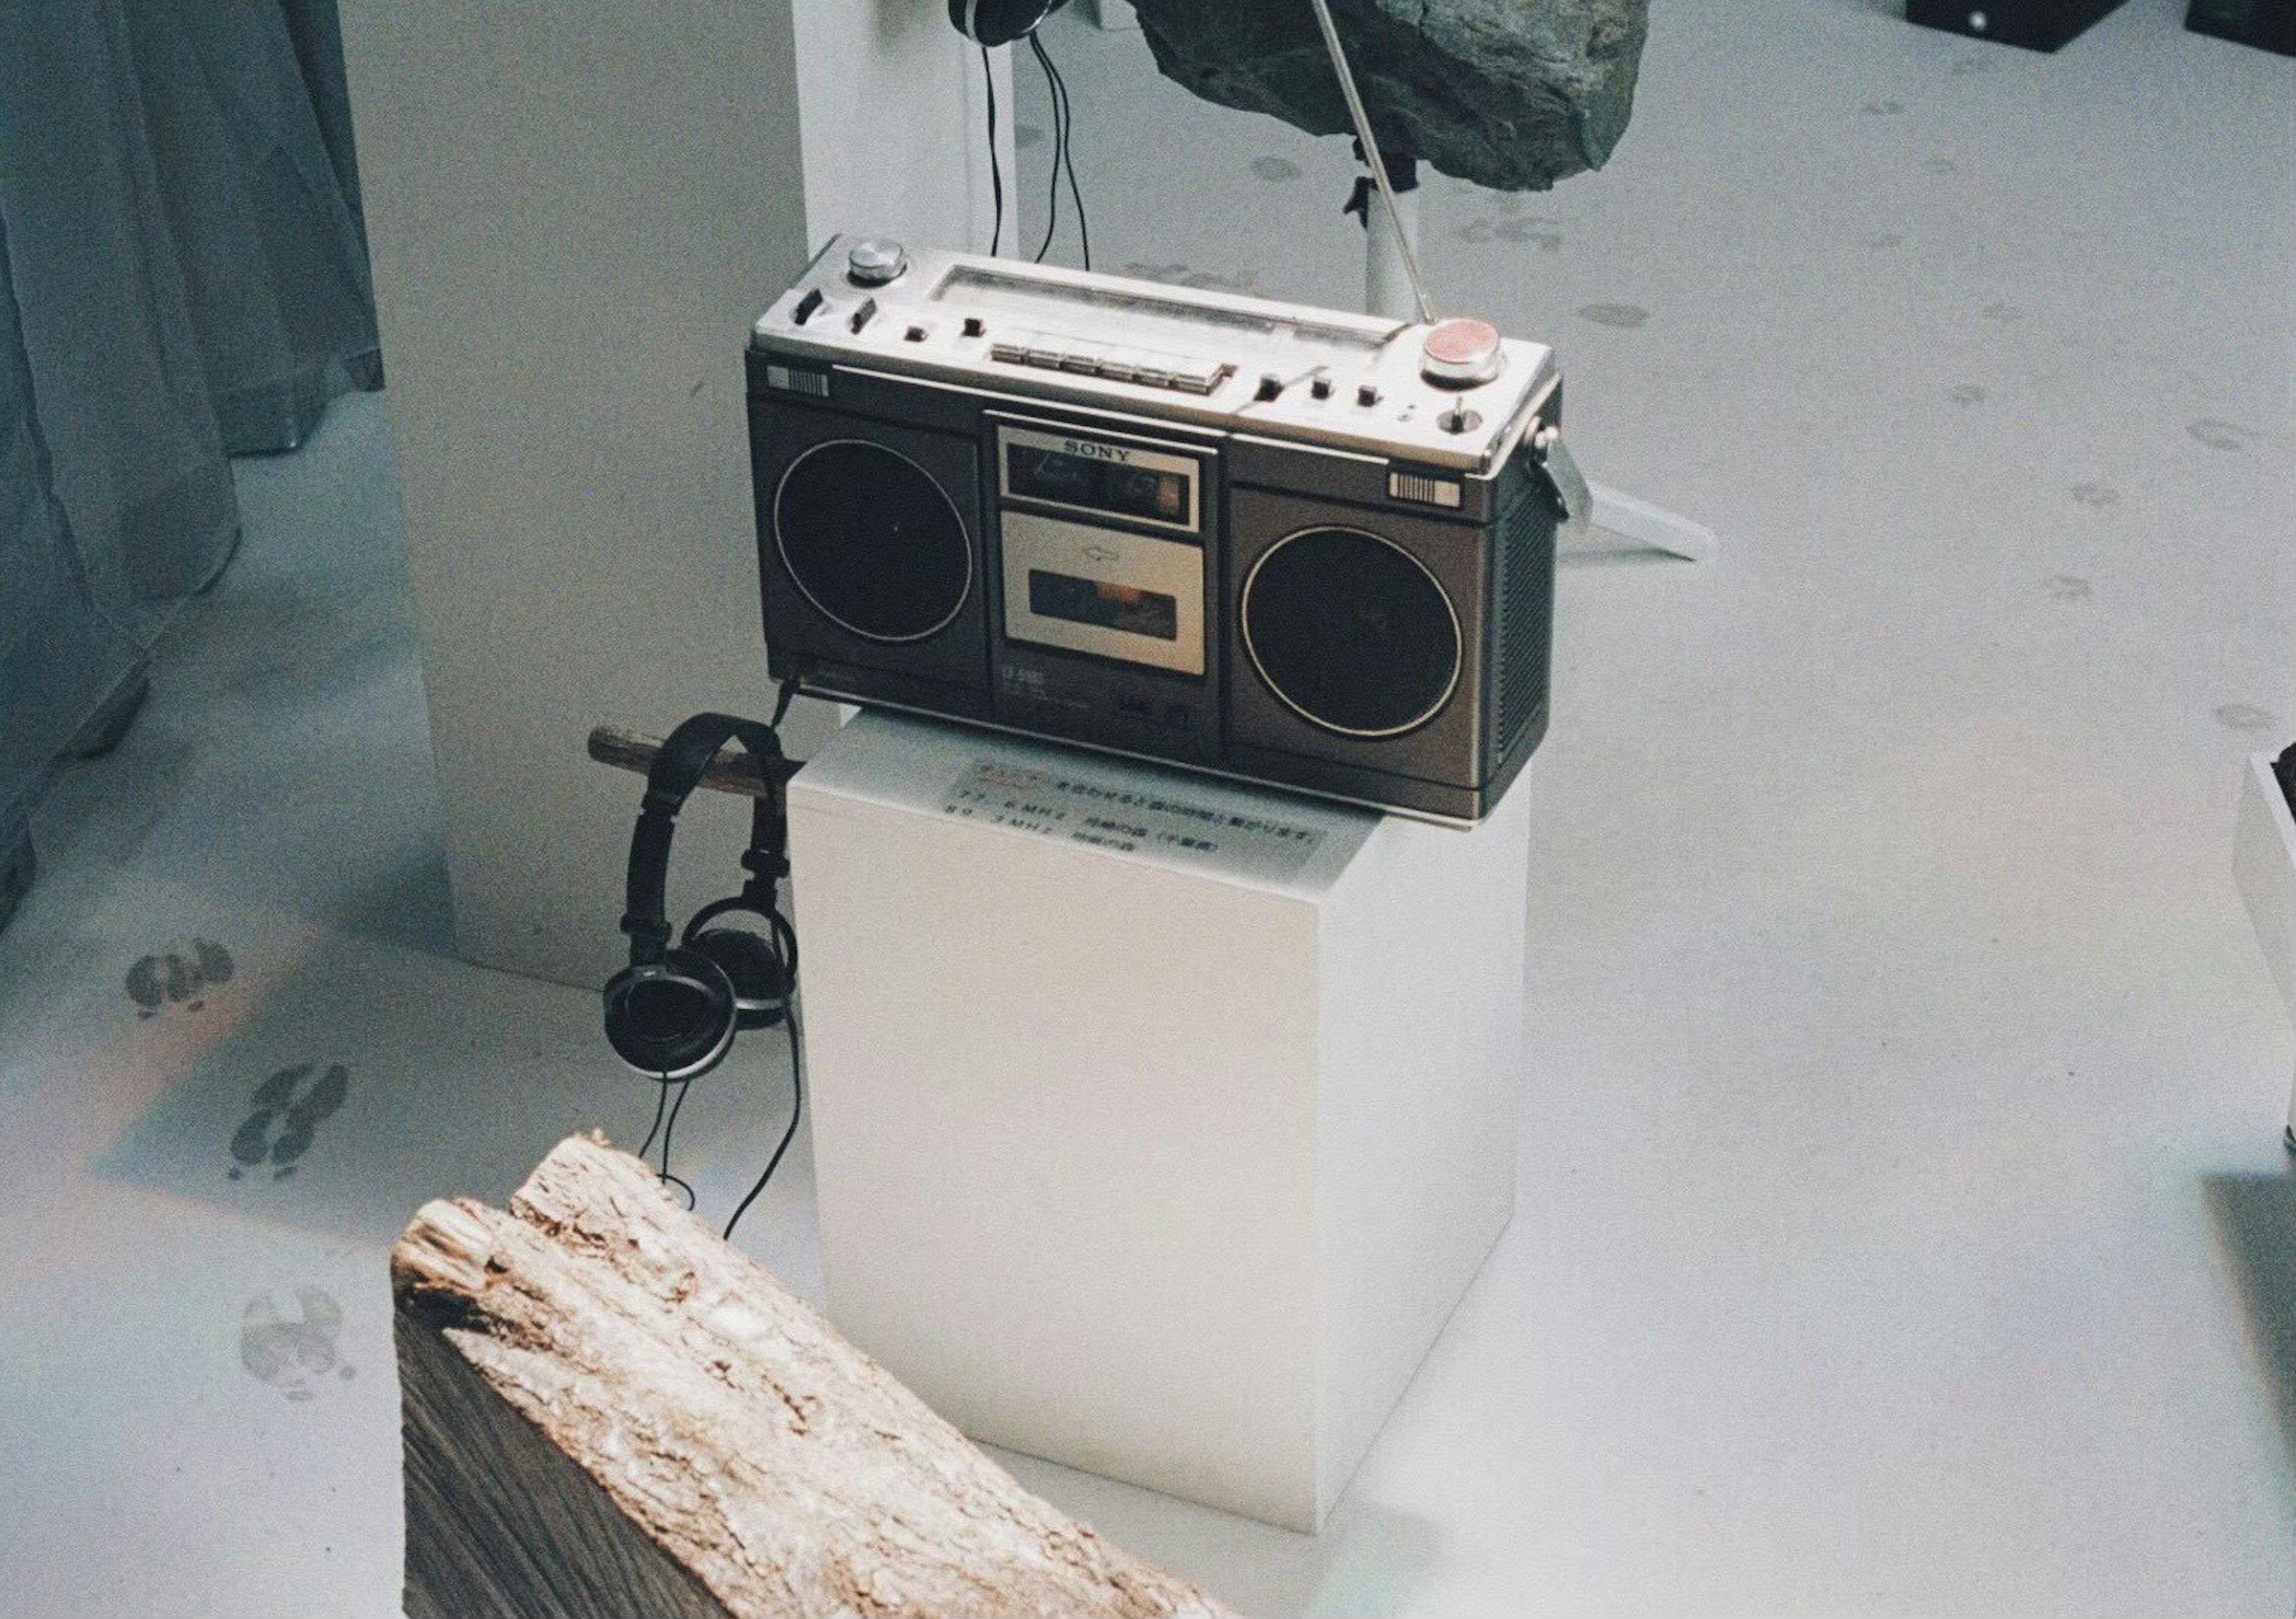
point(2268, 25)
point(2283, 768)
point(109, 724)
point(1514, 94)
point(16, 867)
point(2037, 25)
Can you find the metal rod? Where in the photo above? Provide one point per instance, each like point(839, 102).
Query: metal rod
point(1370, 149)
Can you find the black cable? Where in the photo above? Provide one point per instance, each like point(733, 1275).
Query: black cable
point(1060, 145)
point(668, 1179)
point(995, 172)
point(660, 1101)
point(796, 1109)
point(1066, 152)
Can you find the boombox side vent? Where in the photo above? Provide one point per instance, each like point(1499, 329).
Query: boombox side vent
point(1525, 598)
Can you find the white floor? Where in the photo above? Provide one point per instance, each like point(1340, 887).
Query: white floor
point(1904, 1222)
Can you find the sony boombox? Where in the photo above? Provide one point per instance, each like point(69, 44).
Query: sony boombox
point(1302, 548)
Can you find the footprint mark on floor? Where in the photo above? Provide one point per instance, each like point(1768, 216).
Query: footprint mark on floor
point(2099, 495)
point(1965, 393)
point(1964, 66)
point(1546, 233)
point(2068, 587)
point(293, 1355)
point(285, 1117)
point(1940, 166)
point(1626, 317)
point(2245, 717)
point(1882, 242)
point(1882, 109)
point(2008, 314)
point(1278, 169)
point(1025, 135)
point(2220, 435)
point(178, 977)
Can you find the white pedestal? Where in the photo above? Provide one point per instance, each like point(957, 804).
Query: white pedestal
point(2264, 864)
point(577, 209)
point(1167, 1162)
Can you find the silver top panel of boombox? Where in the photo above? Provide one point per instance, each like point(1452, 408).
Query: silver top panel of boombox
point(1350, 382)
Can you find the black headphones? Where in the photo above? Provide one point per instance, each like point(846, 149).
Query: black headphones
point(994, 22)
point(671, 1013)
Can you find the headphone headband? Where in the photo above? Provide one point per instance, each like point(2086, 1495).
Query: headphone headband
point(684, 758)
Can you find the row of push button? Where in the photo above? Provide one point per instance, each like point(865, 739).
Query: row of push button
point(1048, 351)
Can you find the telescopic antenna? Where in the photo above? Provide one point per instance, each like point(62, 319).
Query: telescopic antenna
point(1370, 149)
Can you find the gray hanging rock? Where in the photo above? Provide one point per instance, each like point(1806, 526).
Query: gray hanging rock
point(1514, 95)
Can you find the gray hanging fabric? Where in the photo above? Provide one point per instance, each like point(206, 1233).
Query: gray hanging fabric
point(316, 29)
point(275, 271)
point(122, 390)
point(61, 655)
point(185, 273)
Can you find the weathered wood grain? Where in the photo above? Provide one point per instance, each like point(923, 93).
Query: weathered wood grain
point(611, 1412)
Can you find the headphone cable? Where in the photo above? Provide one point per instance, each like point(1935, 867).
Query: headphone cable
point(995, 171)
point(1067, 152)
point(660, 1101)
point(669, 1125)
point(1056, 86)
point(1060, 146)
point(796, 1109)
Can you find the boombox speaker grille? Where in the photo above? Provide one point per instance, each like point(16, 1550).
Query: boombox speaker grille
point(873, 541)
point(1526, 598)
point(1351, 632)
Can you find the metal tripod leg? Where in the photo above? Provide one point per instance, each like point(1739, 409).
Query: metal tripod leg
point(1653, 528)
point(1387, 291)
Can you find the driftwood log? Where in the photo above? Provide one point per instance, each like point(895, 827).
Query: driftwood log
point(612, 1414)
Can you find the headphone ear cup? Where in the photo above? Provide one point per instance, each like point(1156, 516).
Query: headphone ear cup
point(994, 22)
point(755, 969)
point(672, 1019)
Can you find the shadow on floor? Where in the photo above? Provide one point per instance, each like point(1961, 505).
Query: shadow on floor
point(413, 908)
point(1370, 1560)
point(2255, 1220)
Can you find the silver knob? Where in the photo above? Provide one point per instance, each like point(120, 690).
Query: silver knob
point(1461, 352)
point(876, 261)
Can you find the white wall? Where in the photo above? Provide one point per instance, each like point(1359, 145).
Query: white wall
point(893, 115)
point(575, 209)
